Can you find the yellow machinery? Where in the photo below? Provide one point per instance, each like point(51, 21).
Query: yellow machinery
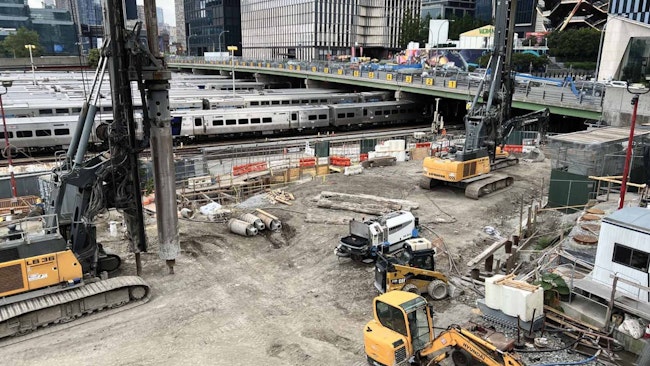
point(413, 270)
point(38, 272)
point(488, 122)
point(402, 332)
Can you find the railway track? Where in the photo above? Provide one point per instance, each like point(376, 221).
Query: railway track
point(185, 151)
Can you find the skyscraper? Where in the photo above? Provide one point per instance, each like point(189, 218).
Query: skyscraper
point(206, 24)
point(320, 29)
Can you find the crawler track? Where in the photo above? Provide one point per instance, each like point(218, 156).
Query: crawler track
point(488, 185)
point(61, 307)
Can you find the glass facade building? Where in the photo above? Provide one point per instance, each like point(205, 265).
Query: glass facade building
point(55, 28)
point(638, 10)
point(322, 29)
point(212, 26)
point(56, 31)
point(446, 9)
point(13, 14)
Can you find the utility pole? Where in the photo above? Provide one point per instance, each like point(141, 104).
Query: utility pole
point(30, 47)
point(232, 50)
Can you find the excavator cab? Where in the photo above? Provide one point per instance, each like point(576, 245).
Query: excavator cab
point(401, 327)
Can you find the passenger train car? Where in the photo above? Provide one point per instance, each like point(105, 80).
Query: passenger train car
point(55, 132)
point(232, 122)
point(54, 107)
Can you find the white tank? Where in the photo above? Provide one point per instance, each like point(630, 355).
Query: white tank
point(521, 303)
point(513, 301)
point(493, 292)
point(419, 244)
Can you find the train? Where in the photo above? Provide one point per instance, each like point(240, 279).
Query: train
point(54, 107)
point(34, 134)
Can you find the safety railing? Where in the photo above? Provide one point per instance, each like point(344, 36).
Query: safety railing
point(448, 80)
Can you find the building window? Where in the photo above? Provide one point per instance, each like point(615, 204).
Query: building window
point(630, 257)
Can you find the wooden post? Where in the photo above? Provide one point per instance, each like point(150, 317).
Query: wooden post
point(489, 261)
point(521, 214)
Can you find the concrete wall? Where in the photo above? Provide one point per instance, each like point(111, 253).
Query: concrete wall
point(42, 62)
point(617, 108)
point(617, 36)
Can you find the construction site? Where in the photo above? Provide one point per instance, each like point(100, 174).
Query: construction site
point(283, 291)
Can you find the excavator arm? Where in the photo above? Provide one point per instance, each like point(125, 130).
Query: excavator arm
point(477, 348)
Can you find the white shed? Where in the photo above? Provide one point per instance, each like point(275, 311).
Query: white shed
point(624, 250)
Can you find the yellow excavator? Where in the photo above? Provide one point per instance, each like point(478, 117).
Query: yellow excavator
point(487, 124)
point(401, 333)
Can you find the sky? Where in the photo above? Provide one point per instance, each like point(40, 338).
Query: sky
point(167, 5)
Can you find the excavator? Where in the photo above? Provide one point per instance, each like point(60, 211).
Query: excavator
point(52, 268)
point(487, 124)
point(401, 333)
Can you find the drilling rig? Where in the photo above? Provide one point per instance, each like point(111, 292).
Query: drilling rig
point(488, 122)
point(61, 272)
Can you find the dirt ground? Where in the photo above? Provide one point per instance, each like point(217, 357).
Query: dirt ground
point(281, 300)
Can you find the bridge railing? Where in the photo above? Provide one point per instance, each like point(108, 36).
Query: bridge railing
point(463, 84)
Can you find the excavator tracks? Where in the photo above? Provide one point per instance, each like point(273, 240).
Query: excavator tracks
point(61, 307)
point(488, 185)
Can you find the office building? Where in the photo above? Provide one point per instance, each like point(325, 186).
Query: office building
point(322, 29)
point(525, 20)
point(54, 26)
point(447, 9)
point(179, 12)
point(625, 50)
point(212, 26)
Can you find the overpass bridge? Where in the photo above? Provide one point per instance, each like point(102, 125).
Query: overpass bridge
point(561, 101)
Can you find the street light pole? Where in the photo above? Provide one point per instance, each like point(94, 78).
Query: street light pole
point(232, 50)
point(221, 34)
point(30, 47)
point(630, 143)
point(14, 192)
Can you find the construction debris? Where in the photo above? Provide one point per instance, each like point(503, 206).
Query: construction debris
point(273, 223)
point(363, 203)
point(311, 219)
point(278, 195)
point(254, 220)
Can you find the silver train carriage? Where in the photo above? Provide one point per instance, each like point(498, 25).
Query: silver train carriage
point(56, 107)
point(266, 121)
point(33, 134)
point(55, 132)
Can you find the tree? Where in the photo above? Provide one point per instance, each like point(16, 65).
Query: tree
point(575, 44)
point(410, 30)
point(15, 43)
point(461, 25)
point(424, 29)
point(93, 58)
